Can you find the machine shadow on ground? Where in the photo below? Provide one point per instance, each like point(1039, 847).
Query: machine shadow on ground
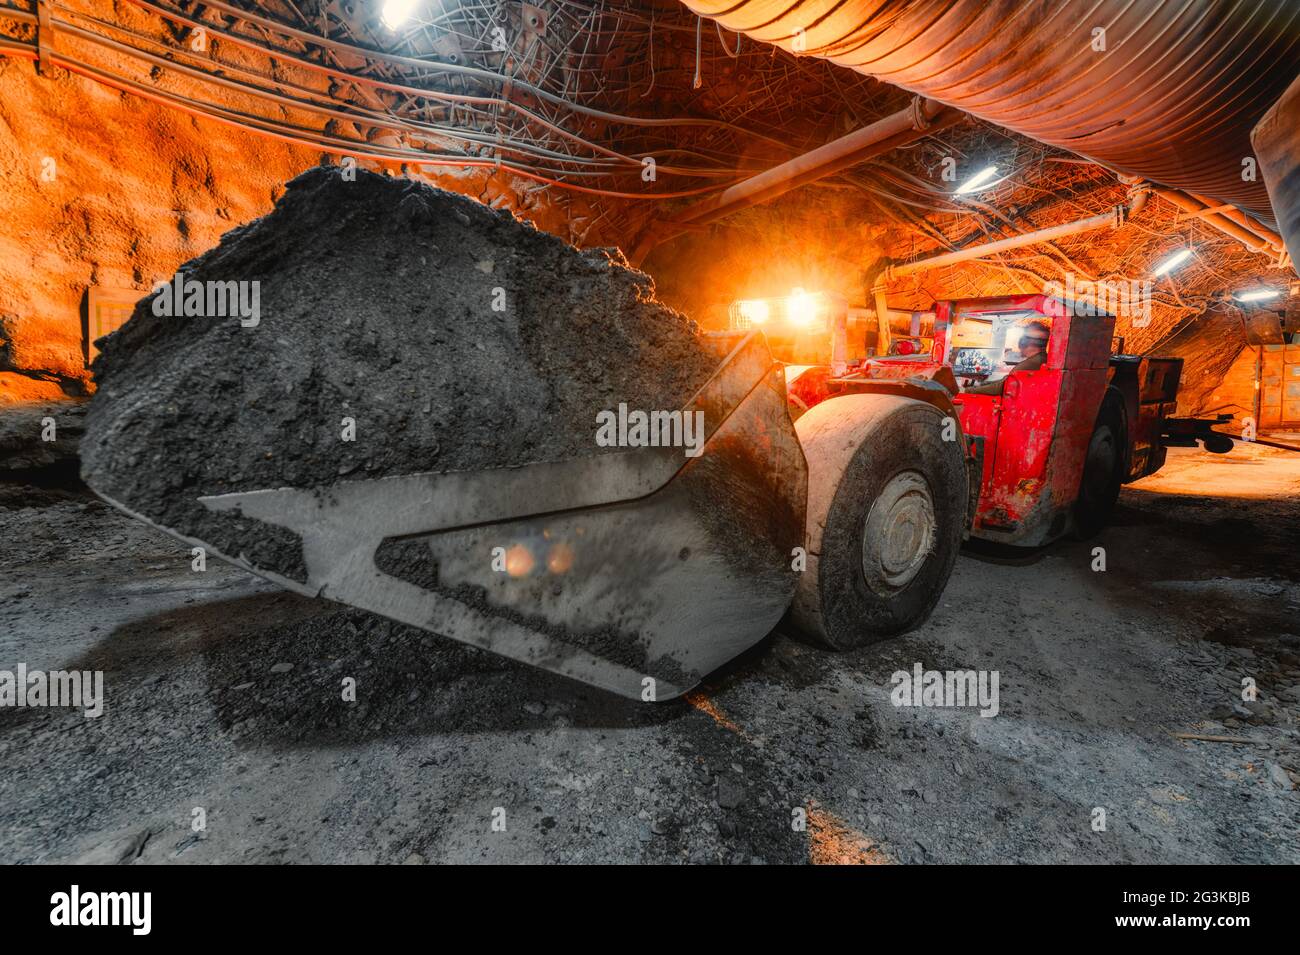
point(273, 668)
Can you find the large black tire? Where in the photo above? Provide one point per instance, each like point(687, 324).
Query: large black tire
point(1103, 471)
point(887, 502)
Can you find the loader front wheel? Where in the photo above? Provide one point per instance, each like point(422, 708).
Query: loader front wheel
point(887, 502)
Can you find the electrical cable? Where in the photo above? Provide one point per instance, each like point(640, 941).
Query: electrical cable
point(328, 144)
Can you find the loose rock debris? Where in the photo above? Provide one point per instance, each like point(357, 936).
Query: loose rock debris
point(1098, 672)
point(402, 329)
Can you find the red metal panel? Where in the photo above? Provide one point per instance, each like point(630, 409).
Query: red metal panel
point(806, 385)
point(942, 321)
point(1026, 429)
point(1081, 393)
point(1090, 337)
point(979, 419)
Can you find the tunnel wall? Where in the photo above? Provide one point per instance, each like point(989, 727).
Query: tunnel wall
point(106, 189)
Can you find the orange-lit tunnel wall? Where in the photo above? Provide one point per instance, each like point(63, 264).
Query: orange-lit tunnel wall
point(103, 192)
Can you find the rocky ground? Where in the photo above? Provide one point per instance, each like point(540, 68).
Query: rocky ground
point(223, 705)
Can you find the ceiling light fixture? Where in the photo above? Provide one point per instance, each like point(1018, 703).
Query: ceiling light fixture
point(1257, 295)
point(980, 181)
point(396, 12)
point(1171, 263)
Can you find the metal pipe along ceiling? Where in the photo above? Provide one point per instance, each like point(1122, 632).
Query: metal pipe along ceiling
point(1168, 90)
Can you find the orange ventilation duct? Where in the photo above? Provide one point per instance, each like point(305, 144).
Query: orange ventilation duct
point(1163, 89)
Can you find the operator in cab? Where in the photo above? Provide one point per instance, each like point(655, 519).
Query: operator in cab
point(1033, 355)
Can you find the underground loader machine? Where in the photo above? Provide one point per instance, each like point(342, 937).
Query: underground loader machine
point(640, 571)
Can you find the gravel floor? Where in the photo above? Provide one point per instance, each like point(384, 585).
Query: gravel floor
point(223, 695)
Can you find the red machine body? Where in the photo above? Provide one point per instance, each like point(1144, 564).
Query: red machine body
point(1027, 446)
point(1035, 435)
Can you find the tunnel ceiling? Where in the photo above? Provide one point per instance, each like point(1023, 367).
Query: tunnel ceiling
point(578, 94)
point(1165, 89)
point(565, 91)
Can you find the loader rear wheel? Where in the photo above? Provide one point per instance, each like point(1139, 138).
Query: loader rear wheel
point(886, 510)
point(1102, 473)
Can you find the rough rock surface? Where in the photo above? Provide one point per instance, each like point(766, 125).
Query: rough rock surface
point(80, 209)
point(224, 692)
point(39, 442)
point(376, 300)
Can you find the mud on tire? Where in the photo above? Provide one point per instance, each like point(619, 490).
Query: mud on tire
point(886, 511)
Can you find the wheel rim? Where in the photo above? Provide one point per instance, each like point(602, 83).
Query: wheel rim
point(1099, 466)
point(898, 534)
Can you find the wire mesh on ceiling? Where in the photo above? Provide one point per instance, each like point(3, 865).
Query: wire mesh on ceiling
point(579, 93)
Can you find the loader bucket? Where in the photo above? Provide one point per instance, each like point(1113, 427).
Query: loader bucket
point(638, 571)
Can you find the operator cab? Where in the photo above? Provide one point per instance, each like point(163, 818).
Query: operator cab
point(1029, 422)
point(985, 346)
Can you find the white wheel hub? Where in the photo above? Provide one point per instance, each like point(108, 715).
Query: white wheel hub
point(899, 532)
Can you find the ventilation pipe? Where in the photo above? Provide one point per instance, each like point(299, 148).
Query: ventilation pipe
point(1167, 90)
point(1256, 239)
point(1277, 140)
point(1112, 219)
point(917, 121)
